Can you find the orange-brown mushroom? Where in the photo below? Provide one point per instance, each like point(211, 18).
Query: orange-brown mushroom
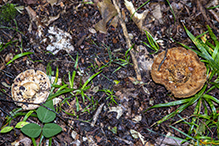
point(182, 72)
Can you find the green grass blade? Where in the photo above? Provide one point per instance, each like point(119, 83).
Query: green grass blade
point(169, 104)
point(91, 78)
point(171, 10)
point(206, 96)
point(213, 109)
point(180, 109)
point(5, 27)
point(128, 51)
point(18, 56)
point(51, 96)
point(214, 38)
point(139, 8)
point(182, 132)
point(213, 7)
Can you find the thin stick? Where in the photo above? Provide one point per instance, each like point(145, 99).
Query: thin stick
point(165, 56)
point(128, 41)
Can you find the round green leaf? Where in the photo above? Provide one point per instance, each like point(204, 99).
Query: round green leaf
point(51, 129)
point(6, 129)
point(44, 114)
point(32, 130)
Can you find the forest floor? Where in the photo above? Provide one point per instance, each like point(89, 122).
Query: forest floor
point(86, 37)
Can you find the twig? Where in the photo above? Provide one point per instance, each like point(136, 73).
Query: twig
point(97, 114)
point(128, 41)
point(165, 56)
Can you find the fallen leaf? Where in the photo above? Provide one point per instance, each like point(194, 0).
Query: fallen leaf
point(137, 18)
point(32, 14)
point(107, 11)
point(117, 109)
point(136, 134)
point(156, 12)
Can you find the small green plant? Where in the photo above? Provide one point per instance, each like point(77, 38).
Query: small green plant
point(8, 12)
point(13, 114)
point(110, 95)
point(123, 62)
point(69, 88)
point(45, 116)
point(152, 42)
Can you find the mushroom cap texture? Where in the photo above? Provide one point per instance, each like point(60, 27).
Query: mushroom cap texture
point(31, 87)
point(182, 72)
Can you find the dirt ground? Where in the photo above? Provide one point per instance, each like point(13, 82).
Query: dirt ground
point(124, 123)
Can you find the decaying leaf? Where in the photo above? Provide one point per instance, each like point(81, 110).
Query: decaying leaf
point(137, 18)
point(97, 114)
point(107, 12)
point(136, 134)
point(52, 2)
point(144, 60)
point(34, 18)
point(117, 109)
point(156, 12)
point(32, 14)
point(60, 40)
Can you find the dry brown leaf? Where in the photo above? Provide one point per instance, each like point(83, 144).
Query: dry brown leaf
point(137, 18)
point(52, 2)
point(107, 12)
point(156, 12)
point(32, 14)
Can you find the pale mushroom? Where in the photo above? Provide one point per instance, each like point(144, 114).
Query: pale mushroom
point(32, 87)
point(182, 72)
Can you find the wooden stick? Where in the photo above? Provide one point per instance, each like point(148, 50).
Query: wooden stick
point(128, 41)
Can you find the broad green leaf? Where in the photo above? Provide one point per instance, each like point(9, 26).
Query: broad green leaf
point(18, 56)
point(51, 129)
point(32, 130)
point(44, 114)
point(21, 124)
point(6, 129)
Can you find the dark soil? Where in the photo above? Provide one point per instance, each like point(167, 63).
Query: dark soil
point(93, 49)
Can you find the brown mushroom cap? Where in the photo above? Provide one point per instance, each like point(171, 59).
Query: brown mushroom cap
point(182, 72)
point(32, 87)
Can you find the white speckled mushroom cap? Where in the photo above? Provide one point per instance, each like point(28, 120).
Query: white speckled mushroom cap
point(32, 87)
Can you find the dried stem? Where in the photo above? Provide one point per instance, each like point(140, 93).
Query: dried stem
point(128, 41)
